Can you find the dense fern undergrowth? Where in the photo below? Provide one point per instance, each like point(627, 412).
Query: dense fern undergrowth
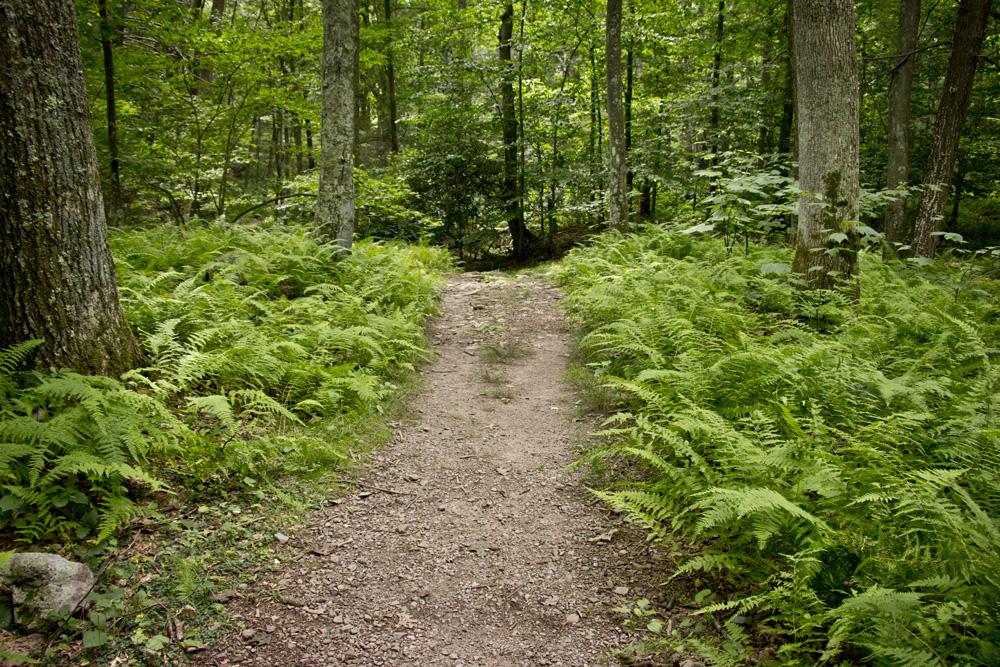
point(835, 461)
point(266, 352)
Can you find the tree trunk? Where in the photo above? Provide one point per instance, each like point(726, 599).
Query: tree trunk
point(390, 75)
point(645, 200)
point(969, 29)
point(629, 74)
point(592, 154)
point(522, 143)
point(900, 85)
point(335, 201)
point(57, 277)
point(114, 203)
point(764, 135)
point(519, 235)
point(716, 73)
point(788, 97)
point(309, 145)
point(617, 193)
point(828, 137)
point(959, 188)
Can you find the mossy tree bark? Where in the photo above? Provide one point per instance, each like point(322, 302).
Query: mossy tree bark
point(335, 201)
point(57, 277)
point(827, 107)
point(970, 26)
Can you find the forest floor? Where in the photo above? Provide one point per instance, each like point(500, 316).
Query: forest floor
point(467, 543)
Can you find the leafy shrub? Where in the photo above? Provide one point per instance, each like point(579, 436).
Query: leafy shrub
point(839, 459)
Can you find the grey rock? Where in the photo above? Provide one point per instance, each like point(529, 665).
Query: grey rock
point(42, 584)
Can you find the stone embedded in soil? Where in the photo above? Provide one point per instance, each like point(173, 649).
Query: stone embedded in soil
point(41, 584)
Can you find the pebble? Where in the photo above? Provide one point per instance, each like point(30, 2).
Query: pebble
point(281, 537)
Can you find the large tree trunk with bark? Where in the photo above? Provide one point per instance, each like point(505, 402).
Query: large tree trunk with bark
point(617, 171)
point(57, 277)
point(335, 201)
point(969, 29)
point(519, 235)
point(827, 107)
point(900, 86)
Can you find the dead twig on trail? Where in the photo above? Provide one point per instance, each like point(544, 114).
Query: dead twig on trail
point(379, 488)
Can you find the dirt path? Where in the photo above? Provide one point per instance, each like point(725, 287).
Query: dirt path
point(467, 544)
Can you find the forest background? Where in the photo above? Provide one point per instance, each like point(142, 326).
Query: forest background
point(871, 399)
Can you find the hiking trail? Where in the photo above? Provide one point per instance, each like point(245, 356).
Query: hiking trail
point(466, 544)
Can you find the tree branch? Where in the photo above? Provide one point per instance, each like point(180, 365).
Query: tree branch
point(271, 201)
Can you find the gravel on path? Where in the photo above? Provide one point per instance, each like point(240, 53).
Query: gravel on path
point(466, 544)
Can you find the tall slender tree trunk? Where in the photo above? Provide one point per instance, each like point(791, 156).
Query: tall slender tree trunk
point(955, 93)
point(390, 76)
point(788, 91)
point(57, 276)
point(828, 111)
point(309, 146)
point(335, 200)
point(593, 156)
point(716, 74)
point(617, 192)
point(959, 187)
point(629, 73)
point(519, 234)
point(522, 142)
point(114, 202)
point(764, 135)
point(900, 86)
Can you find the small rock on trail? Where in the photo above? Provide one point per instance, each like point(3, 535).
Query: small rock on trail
point(467, 545)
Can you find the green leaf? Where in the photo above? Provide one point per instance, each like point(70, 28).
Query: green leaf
point(698, 229)
point(775, 267)
point(156, 642)
point(95, 638)
point(9, 503)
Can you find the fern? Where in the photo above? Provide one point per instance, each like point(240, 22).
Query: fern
point(76, 442)
point(810, 448)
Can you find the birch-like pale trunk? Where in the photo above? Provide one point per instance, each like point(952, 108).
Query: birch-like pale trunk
point(827, 107)
point(335, 201)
